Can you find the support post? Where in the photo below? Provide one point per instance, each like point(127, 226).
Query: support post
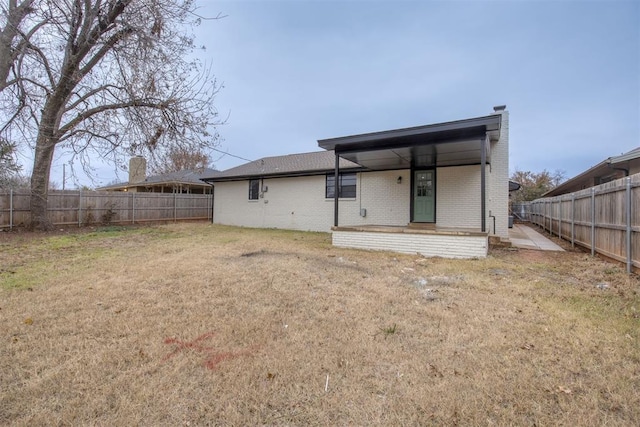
point(133, 207)
point(175, 207)
point(629, 230)
point(483, 178)
point(212, 201)
point(593, 221)
point(336, 189)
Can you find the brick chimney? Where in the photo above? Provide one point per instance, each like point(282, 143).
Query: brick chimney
point(137, 170)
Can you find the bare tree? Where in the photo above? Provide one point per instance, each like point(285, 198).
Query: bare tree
point(177, 159)
point(13, 40)
point(533, 185)
point(108, 79)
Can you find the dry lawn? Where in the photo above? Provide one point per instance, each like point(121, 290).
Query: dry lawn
point(194, 324)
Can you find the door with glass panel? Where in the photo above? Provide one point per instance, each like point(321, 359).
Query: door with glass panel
point(424, 196)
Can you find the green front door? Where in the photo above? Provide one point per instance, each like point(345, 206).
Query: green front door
point(424, 196)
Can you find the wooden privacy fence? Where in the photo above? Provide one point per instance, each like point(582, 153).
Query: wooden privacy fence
point(604, 219)
point(106, 207)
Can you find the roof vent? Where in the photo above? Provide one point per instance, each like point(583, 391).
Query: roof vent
point(498, 108)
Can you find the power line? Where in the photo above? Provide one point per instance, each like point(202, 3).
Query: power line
point(232, 155)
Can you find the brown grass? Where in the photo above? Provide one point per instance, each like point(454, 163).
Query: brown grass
point(196, 324)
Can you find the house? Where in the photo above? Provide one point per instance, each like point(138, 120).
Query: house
point(185, 181)
point(439, 189)
point(607, 170)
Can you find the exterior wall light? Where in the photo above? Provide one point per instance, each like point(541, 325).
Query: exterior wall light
point(399, 180)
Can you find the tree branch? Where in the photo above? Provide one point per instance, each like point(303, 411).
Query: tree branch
point(137, 103)
point(89, 94)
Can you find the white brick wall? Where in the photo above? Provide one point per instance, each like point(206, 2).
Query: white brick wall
point(498, 182)
point(386, 201)
point(299, 203)
point(458, 197)
point(443, 245)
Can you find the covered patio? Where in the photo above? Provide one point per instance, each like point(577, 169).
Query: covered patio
point(423, 151)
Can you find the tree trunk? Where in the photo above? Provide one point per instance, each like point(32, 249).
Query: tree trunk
point(40, 184)
point(8, 34)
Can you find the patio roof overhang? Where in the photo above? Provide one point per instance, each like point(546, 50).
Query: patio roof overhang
point(443, 144)
point(457, 143)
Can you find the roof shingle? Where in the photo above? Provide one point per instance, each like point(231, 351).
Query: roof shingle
point(291, 164)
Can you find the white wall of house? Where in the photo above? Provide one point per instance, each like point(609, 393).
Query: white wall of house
point(458, 197)
point(295, 203)
point(498, 182)
point(386, 201)
point(299, 203)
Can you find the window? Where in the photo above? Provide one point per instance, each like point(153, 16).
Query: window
point(254, 189)
point(346, 187)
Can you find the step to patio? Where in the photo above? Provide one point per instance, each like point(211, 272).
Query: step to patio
point(422, 225)
point(499, 242)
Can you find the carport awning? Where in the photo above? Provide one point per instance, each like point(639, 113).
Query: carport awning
point(443, 144)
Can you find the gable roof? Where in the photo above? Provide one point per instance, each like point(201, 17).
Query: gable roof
point(588, 178)
point(302, 164)
point(184, 177)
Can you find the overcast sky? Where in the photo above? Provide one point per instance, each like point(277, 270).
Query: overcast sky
point(298, 71)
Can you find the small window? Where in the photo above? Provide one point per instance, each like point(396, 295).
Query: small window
point(254, 189)
point(346, 187)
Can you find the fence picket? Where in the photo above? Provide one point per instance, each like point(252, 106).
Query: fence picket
point(601, 219)
point(94, 207)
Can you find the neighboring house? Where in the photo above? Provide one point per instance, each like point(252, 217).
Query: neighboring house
point(607, 170)
point(185, 181)
point(438, 189)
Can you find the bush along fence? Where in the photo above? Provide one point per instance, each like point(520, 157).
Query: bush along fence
point(604, 219)
point(104, 207)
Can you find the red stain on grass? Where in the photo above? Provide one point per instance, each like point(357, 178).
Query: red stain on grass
point(213, 357)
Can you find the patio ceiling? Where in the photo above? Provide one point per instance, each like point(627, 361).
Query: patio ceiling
point(443, 144)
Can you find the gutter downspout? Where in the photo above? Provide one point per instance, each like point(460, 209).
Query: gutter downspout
point(483, 179)
point(494, 222)
point(336, 189)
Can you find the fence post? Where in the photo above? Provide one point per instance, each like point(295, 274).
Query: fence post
point(133, 207)
point(553, 212)
point(560, 220)
point(11, 209)
point(546, 213)
point(175, 208)
point(628, 206)
point(593, 221)
point(573, 219)
point(80, 207)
